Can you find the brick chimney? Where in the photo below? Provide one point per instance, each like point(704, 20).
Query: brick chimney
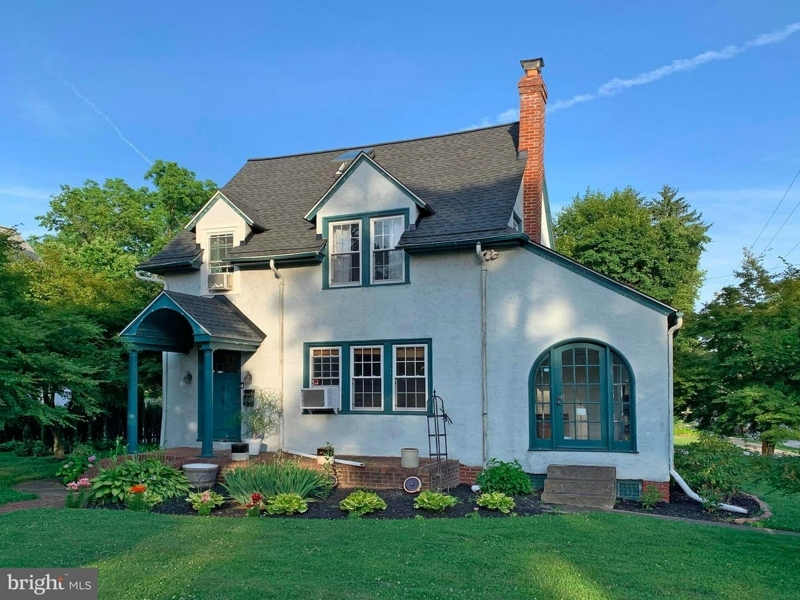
point(532, 101)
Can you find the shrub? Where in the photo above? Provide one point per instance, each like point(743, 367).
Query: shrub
point(434, 501)
point(112, 484)
point(80, 459)
point(286, 504)
point(496, 501)
point(713, 466)
point(781, 472)
point(271, 479)
point(203, 502)
point(505, 477)
point(10, 446)
point(650, 497)
point(361, 502)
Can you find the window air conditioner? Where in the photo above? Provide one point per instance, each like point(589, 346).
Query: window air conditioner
point(320, 398)
point(219, 282)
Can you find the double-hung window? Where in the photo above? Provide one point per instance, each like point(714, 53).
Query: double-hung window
point(219, 245)
point(387, 262)
point(367, 370)
point(325, 367)
point(410, 377)
point(345, 253)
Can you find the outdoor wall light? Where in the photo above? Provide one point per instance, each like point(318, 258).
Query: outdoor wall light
point(187, 379)
point(248, 378)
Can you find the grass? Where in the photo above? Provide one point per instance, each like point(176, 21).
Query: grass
point(596, 556)
point(16, 469)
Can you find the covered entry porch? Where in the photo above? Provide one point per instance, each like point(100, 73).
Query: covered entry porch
point(176, 322)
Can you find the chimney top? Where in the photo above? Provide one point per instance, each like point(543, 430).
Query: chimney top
point(532, 63)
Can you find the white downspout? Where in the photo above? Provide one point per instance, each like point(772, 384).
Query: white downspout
point(281, 282)
point(484, 361)
point(164, 361)
point(675, 475)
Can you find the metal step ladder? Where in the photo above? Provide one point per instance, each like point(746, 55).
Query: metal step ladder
point(437, 439)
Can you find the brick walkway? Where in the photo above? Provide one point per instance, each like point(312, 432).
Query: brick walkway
point(51, 494)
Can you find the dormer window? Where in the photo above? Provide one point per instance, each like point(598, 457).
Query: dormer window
point(219, 246)
point(345, 244)
point(387, 263)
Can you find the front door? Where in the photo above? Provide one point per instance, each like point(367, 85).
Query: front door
point(227, 395)
point(579, 419)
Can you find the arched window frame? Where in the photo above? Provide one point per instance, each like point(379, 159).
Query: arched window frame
point(608, 443)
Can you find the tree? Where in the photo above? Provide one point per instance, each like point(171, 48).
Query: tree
point(745, 368)
point(654, 246)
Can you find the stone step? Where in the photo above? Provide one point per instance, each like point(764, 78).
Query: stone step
point(582, 472)
point(586, 500)
point(580, 486)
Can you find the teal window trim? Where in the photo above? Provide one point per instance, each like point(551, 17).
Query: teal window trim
point(387, 357)
point(365, 245)
point(608, 444)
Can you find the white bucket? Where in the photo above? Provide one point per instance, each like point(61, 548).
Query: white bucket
point(409, 458)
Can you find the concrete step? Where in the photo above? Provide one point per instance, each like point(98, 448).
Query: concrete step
point(580, 486)
point(582, 472)
point(587, 500)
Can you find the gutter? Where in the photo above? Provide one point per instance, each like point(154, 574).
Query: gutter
point(671, 382)
point(281, 282)
point(484, 361)
point(469, 243)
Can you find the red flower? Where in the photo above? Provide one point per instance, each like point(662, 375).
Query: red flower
point(138, 489)
point(256, 497)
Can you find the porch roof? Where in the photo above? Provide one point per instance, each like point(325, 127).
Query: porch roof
point(174, 322)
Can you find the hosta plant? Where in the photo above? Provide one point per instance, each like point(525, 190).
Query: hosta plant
point(496, 501)
point(286, 504)
point(361, 502)
point(434, 501)
point(203, 502)
point(114, 483)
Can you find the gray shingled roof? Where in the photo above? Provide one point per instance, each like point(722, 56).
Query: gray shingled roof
point(470, 179)
point(218, 316)
point(180, 252)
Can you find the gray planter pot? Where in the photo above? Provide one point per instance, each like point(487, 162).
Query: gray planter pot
point(201, 475)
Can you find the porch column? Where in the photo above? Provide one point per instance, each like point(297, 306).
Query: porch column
point(133, 401)
point(207, 390)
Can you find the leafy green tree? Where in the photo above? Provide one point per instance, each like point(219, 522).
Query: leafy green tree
point(654, 246)
point(745, 368)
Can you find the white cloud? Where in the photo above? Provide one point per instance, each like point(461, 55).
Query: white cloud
point(617, 85)
point(507, 116)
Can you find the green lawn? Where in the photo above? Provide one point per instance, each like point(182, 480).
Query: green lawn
point(15, 469)
point(570, 557)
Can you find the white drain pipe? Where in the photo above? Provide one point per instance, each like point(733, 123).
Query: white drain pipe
point(675, 475)
point(281, 282)
point(484, 361)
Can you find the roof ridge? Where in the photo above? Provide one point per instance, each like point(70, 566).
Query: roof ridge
point(416, 139)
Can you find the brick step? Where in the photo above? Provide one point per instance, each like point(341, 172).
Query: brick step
point(603, 501)
point(582, 472)
point(580, 486)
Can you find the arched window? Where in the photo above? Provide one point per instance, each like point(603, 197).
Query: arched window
point(582, 398)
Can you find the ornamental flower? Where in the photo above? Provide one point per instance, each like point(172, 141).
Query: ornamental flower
point(84, 482)
point(92, 458)
point(206, 497)
point(138, 489)
point(73, 486)
point(255, 497)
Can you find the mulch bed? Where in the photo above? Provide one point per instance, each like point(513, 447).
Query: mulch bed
point(400, 505)
point(680, 505)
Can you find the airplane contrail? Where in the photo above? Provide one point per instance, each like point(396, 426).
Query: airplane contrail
point(93, 106)
point(616, 85)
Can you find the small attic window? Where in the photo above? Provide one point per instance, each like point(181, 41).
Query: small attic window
point(351, 154)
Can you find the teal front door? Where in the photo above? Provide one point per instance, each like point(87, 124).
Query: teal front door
point(227, 395)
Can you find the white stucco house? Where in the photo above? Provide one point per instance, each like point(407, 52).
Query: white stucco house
point(386, 271)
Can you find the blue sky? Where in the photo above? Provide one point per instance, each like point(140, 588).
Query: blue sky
point(93, 90)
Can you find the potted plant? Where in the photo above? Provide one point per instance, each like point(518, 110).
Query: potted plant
point(263, 419)
point(325, 454)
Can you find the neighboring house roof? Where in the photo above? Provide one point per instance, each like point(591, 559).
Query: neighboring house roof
point(15, 237)
point(470, 179)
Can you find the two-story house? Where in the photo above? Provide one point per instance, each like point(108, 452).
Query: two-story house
point(383, 272)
